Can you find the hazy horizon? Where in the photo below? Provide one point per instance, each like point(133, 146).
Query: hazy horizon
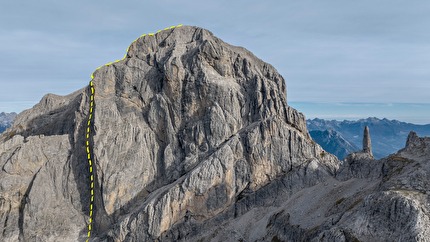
point(415, 113)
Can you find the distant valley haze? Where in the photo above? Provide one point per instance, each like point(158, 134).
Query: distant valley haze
point(416, 113)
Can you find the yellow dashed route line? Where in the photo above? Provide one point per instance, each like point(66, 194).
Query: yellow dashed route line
point(88, 132)
point(90, 161)
point(150, 34)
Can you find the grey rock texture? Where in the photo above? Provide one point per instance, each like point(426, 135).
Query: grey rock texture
point(367, 143)
point(43, 174)
point(202, 122)
point(361, 163)
point(193, 140)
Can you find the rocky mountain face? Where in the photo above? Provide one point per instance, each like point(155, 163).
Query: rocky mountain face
point(6, 120)
point(192, 140)
point(397, 198)
point(333, 142)
point(388, 136)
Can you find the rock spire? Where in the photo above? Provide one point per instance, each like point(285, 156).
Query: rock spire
point(367, 143)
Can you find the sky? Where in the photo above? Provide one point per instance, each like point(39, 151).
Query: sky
point(331, 52)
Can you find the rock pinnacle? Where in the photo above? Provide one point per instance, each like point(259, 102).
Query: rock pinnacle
point(367, 144)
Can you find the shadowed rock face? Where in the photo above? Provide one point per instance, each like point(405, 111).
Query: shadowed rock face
point(192, 140)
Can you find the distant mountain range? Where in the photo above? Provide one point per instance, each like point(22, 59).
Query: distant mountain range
point(388, 136)
point(6, 120)
point(333, 142)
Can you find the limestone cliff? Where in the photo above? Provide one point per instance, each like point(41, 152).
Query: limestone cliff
point(192, 140)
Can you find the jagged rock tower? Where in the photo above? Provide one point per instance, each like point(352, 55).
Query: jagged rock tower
point(367, 143)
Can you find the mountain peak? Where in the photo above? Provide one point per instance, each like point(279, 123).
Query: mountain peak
point(182, 129)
